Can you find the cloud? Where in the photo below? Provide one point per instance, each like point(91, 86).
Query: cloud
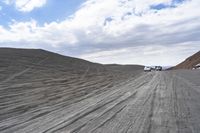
point(26, 5)
point(53, 34)
point(146, 55)
point(113, 28)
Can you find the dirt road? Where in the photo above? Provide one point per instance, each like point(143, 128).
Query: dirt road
point(155, 102)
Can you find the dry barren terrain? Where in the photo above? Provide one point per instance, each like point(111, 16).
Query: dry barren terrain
point(42, 92)
point(189, 63)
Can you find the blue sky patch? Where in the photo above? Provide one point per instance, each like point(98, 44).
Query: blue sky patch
point(107, 20)
point(178, 1)
point(54, 10)
point(161, 6)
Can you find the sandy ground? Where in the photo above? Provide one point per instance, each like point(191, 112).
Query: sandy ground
point(37, 98)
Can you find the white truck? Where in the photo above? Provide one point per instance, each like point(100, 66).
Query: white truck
point(147, 69)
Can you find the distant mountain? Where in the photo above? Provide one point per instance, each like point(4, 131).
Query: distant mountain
point(127, 68)
point(190, 62)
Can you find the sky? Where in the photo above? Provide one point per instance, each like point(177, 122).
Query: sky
point(146, 32)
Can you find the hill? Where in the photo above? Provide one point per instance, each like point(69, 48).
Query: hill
point(190, 62)
point(35, 83)
point(46, 64)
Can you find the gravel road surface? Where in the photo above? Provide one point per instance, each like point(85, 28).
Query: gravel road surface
point(155, 102)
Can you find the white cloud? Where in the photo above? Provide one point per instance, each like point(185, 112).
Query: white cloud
point(112, 27)
point(26, 5)
point(145, 55)
point(31, 32)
